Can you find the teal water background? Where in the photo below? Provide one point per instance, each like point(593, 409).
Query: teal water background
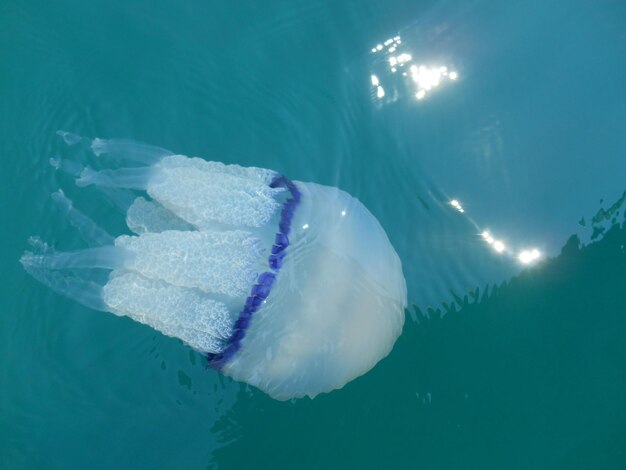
point(528, 371)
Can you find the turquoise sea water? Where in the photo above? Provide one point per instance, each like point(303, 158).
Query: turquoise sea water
point(499, 366)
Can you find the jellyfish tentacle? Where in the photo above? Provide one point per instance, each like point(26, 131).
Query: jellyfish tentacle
point(83, 291)
point(69, 138)
point(129, 178)
point(106, 257)
point(88, 229)
point(70, 167)
point(121, 199)
point(129, 150)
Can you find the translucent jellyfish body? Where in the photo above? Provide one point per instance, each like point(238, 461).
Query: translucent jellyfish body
point(291, 287)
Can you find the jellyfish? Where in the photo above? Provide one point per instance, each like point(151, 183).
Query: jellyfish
point(291, 287)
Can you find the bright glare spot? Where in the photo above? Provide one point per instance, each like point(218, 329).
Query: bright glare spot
point(487, 237)
point(426, 78)
point(528, 256)
point(498, 246)
point(421, 80)
point(343, 213)
point(402, 58)
point(457, 205)
point(305, 226)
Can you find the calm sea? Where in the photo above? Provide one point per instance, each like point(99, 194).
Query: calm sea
point(480, 133)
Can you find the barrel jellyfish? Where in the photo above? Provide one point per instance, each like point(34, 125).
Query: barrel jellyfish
point(288, 286)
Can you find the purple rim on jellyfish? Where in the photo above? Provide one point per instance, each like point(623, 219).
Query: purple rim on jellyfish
point(261, 290)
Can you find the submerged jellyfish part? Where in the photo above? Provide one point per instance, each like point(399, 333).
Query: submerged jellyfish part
point(127, 149)
point(91, 233)
point(84, 291)
point(148, 216)
point(69, 138)
point(291, 287)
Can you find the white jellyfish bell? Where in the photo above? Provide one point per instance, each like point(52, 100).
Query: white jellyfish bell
point(291, 287)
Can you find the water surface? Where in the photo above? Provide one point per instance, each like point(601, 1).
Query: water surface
point(528, 138)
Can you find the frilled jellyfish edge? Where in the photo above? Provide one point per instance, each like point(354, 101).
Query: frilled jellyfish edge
point(261, 290)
